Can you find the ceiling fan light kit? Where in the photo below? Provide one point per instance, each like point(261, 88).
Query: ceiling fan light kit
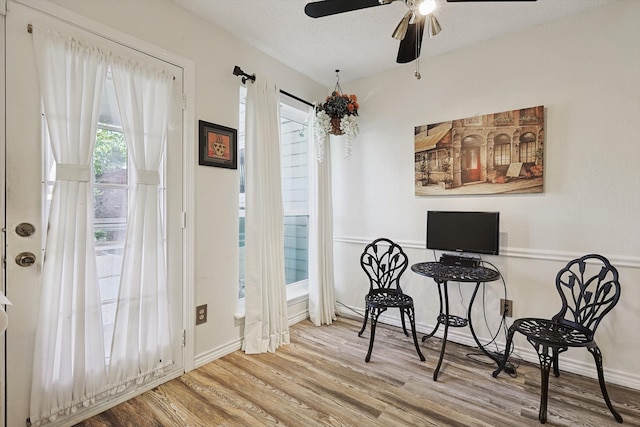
point(401, 30)
point(427, 6)
point(434, 26)
point(409, 30)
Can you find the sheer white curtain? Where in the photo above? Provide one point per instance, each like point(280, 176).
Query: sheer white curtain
point(141, 339)
point(266, 323)
point(69, 369)
point(322, 303)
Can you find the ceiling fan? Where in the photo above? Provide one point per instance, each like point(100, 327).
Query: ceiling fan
point(410, 29)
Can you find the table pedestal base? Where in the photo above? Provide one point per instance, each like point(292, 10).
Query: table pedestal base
point(441, 274)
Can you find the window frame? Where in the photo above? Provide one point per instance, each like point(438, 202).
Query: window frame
point(502, 152)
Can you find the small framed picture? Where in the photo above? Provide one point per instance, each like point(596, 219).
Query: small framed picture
point(218, 146)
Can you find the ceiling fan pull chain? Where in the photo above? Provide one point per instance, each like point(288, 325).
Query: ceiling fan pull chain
point(417, 73)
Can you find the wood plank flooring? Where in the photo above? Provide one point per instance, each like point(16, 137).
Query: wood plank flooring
point(321, 379)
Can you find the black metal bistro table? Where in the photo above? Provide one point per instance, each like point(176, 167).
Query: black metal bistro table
point(442, 274)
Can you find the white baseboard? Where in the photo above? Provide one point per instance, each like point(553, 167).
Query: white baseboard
point(109, 403)
point(526, 353)
point(216, 353)
point(298, 318)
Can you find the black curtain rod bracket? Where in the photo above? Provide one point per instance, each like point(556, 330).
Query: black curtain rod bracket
point(237, 71)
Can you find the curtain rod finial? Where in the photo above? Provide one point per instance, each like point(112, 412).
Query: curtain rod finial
point(237, 71)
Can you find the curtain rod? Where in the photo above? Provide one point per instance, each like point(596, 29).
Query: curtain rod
point(237, 71)
point(296, 98)
point(30, 31)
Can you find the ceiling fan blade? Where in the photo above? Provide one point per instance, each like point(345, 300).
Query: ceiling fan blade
point(321, 8)
point(412, 43)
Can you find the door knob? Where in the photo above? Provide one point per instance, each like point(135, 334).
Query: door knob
point(25, 259)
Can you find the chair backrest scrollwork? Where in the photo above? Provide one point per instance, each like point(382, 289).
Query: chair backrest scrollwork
point(589, 288)
point(384, 262)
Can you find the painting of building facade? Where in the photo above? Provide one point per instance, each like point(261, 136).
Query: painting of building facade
point(499, 153)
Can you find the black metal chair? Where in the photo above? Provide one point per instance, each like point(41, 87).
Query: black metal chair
point(589, 289)
point(384, 262)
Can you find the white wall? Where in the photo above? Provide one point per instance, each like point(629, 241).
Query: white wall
point(587, 78)
point(585, 70)
point(214, 52)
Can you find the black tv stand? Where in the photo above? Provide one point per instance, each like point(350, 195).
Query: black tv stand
point(459, 261)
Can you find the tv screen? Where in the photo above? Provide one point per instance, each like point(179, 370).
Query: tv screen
point(476, 232)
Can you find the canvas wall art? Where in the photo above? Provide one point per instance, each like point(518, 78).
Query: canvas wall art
point(499, 153)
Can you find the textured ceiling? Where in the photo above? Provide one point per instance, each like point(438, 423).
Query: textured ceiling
point(359, 43)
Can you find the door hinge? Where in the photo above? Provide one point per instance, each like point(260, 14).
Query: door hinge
point(184, 220)
point(184, 337)
point(184, 101)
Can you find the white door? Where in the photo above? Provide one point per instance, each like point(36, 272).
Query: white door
point(2, 126)
point(26, 186)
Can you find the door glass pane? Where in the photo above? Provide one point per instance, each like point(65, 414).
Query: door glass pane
point(111, 192)
point(110, 203)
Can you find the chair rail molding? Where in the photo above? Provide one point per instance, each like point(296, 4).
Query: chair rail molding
point(509, 252)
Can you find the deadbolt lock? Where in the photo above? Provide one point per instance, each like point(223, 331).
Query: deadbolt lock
point(25, 259)
point(25, 229)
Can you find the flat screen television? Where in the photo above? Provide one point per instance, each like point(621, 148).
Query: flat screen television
point(475, 232)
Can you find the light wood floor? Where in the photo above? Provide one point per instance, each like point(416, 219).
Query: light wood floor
point(321, 379)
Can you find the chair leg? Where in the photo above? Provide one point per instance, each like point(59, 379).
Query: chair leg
point(544, 390)
point(545, 365)
point(507, 347)
point(597, 356)
point(554, 363)
point(412, 320)
point(404, 326)
point(366, 318)
point(375, 313)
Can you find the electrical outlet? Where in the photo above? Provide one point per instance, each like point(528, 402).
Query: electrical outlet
point(506, 307)
point(201, 314)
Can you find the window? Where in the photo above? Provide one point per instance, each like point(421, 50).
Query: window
point(502, 154)
point(502, 150)
point(295, 191)
point(528, 148)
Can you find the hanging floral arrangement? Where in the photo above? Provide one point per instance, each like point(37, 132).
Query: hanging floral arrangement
point(337, 116)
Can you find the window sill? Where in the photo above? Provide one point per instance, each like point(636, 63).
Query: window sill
point(239, 314)
point(296, 293)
